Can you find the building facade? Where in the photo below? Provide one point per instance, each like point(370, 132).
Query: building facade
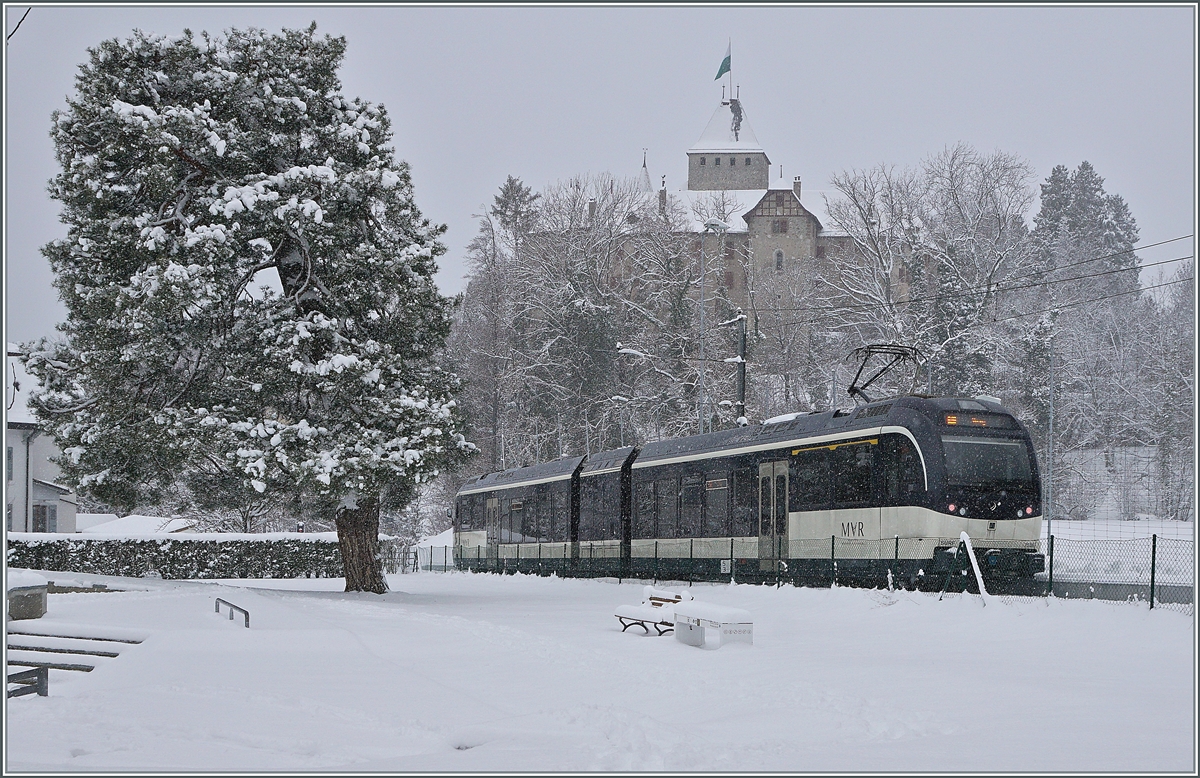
point(34, 501)
point(770, 231)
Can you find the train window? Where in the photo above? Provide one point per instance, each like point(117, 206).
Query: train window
point(781, 498)
point(764, 505)
point(560, 514)
point(475, 519)
point(810, 481)
point(745, 502)
point(691, 496)
point(589, 498)
point(505, 521)
point(493, 520)
point(716, 508)
point(540, 510)
point(666, 499)
point(851, 467)
point(643, 510)
point(987, 462)
point(903, 475)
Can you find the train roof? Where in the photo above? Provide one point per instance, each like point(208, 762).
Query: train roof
point(778, 431)
point(555, 470)
point(606, 461)
point(782, 430)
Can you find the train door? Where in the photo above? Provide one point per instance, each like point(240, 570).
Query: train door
point(492, 515)
point(772, 513)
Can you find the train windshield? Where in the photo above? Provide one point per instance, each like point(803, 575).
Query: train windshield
point(987, 462)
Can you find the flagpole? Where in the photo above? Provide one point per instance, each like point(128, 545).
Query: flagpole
point(729, 48)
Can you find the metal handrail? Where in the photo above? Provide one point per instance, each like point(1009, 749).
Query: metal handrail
point(35, 681)
point(233, 608)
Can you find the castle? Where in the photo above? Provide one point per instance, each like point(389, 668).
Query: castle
point(769, 229)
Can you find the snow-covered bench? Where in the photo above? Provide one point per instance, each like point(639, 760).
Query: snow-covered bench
point(657, 610)
point(706, 625)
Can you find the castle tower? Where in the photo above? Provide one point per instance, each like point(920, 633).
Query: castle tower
point(728, 156)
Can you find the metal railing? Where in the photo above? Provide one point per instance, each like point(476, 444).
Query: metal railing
point(35, 681)
point(233, 608)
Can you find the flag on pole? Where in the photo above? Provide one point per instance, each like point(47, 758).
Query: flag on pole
point(725, 62)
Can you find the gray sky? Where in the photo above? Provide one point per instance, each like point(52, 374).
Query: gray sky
point(476, 94)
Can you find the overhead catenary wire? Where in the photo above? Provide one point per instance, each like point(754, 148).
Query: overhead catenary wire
point(1058, 306)
point(1077, 303)
point(1035, 274)
point(960, 292)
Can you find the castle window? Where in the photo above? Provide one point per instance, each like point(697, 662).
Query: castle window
point(716, 160)
point(778, 259)
point(779, 226)
point(748, 160)
point(732, 161)
point(703, 161)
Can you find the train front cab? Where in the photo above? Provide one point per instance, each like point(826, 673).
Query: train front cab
point(884, 505)
point(986, 479)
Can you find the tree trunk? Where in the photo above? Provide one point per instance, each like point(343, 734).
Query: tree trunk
point(358, 538)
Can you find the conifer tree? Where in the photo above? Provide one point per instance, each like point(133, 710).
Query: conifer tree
point(194, 169)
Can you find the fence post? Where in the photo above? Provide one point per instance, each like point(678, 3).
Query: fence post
point(1050, 592)
point(832, 561)
point(656, 561)
point(1153, 556)
point(732, 561)
point(896, 559)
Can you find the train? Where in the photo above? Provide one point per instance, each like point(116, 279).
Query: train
point(872, 496)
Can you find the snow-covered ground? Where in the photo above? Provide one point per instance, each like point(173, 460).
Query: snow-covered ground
point(463, 672)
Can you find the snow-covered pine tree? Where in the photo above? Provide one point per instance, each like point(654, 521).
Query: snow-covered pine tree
point(194, 168)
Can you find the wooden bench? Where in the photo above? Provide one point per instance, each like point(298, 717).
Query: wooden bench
point(657, 610)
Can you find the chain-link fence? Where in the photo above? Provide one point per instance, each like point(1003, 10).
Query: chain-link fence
point(1157, 571)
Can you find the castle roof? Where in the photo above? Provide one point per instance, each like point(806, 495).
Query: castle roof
point(727, 130)
point(744, 200)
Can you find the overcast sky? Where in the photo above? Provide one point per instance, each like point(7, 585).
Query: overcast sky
point(476, 94)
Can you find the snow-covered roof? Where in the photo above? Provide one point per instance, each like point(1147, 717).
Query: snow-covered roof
point(139, 525)
point(86, 520)
point(440, 540)
point(724, 134)
point(746, 199)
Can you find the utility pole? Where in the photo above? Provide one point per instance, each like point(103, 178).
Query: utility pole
point(741, 379)
point(713, 225)
point(740, 359)
point(1048, 510)
point(700, 407)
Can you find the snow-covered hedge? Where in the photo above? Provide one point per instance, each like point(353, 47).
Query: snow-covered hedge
point(276, 555)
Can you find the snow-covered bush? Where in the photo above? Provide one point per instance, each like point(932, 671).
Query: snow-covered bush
point(204, 556)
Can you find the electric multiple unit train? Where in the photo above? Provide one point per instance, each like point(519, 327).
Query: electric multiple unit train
point(872, 495)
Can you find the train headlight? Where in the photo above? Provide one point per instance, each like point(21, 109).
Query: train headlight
point(962, 511)
point(1019, 513)
point(1029, 510)
point(952, 507)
